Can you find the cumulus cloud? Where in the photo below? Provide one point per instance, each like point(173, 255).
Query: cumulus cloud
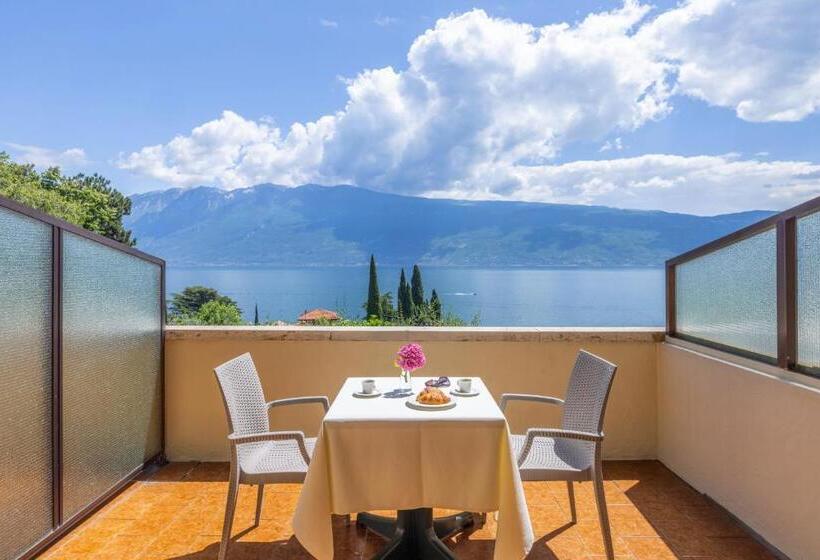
point(485, 105)
point(329, 23)
point(477, 91)
point(758, 57)
point(47, 157)
point(695, 184)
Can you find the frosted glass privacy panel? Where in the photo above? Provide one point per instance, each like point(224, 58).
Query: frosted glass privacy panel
point(25, 382)
point(111, 368)
point(730, 296)
point(808, 290)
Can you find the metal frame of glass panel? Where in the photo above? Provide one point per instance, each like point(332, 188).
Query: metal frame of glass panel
point(61, 526)
point(786, 273)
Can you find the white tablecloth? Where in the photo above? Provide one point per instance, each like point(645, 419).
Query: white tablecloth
point(379, 454)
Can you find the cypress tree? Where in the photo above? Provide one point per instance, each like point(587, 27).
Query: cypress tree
point(405, 298)
point(435, 306)
point(373, 296)
point(416, 287)
point(255, 314)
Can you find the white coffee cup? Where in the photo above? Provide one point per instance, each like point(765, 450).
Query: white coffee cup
point(368, 386)
point(465, 385)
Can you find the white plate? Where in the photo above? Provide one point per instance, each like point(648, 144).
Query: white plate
point(412, 403)
point(458, 393)
point(360, 395)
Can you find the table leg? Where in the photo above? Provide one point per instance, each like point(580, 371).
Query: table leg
point(414, 534)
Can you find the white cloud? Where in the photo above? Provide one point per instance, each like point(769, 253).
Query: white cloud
point(696, 184)
point(758, 57)
point(478, 91)
point(235, 152)
point(486, 104)
point(617, 144)
point(384, 21)
point(329, 23)
point(47, 157)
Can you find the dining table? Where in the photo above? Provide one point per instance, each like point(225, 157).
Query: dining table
point(378, 452)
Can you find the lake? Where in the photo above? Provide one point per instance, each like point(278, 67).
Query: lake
point(498, 297)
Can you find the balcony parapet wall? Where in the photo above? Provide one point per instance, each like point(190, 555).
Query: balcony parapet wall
point(419, 334)
point(316, 360)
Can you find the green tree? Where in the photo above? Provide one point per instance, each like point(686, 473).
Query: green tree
point(435, 306)
point(188, 302)
point(255, 314)
point(22, 183)
point(417, 288)
point(104, 206)
point(218, 312)
point(87, 201)
point(373, 296)
point(405, 298)
point(386, 306)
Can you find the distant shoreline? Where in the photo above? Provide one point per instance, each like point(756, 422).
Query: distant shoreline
point(388, 265)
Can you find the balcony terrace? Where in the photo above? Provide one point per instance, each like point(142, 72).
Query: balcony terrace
point(176, 513)
point(113, 444)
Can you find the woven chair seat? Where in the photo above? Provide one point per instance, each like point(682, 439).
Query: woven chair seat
point(271, 457)
point(555, 454)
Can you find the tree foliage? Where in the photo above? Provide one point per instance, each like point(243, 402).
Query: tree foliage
point(374, 308)
point(88, 201)
point(186, 305)
point(386, 306)
point(411, 307)
point(435, 306)
point(405, 298)
point(219, 312)
point(417, 287)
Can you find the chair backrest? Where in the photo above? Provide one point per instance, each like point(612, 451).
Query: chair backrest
point(588, 391)
point(242, 395)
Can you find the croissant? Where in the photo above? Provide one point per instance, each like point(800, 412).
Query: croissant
point(431, 395)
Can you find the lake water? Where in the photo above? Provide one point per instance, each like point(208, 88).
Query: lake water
point(499, 297)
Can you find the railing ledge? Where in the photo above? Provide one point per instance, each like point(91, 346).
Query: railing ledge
point(418, 334)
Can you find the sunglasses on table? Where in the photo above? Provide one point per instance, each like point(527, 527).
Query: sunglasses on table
point(440, 382)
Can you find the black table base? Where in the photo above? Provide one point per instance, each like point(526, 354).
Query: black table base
point(415, 535)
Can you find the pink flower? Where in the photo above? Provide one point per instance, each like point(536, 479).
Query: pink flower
point(410, 357)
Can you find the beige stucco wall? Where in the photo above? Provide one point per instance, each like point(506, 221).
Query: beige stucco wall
point(749, 437)
point(307, 361)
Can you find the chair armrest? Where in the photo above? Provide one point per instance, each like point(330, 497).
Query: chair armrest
point(301, 400)
point(236, 439)
point(562, 433)
point(533, 433)
point(506, 397)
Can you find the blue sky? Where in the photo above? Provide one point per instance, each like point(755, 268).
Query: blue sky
point(704, 107)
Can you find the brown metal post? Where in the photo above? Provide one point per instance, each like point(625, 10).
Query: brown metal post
point(787, 293)
point(671, 309)
point(163, 310)
point(57, 374)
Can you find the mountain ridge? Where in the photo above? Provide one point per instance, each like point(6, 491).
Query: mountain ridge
point(313, 225)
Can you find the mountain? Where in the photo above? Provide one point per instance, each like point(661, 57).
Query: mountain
point(268, 225)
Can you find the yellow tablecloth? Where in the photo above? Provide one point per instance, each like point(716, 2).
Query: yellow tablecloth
point(379, 454)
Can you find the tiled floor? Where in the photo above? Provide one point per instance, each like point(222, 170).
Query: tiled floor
point(176, 513)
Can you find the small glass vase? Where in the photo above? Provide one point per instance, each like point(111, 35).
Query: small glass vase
point(404, 377)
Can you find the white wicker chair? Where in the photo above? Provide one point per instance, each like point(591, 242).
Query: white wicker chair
point(573, 452)
point(258, 456)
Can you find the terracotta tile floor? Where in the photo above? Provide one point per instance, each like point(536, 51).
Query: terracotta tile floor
point(176, 513)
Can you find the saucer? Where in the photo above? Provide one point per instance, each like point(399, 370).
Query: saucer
point(412, 403)
point(360, 395)
point(456, 392)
